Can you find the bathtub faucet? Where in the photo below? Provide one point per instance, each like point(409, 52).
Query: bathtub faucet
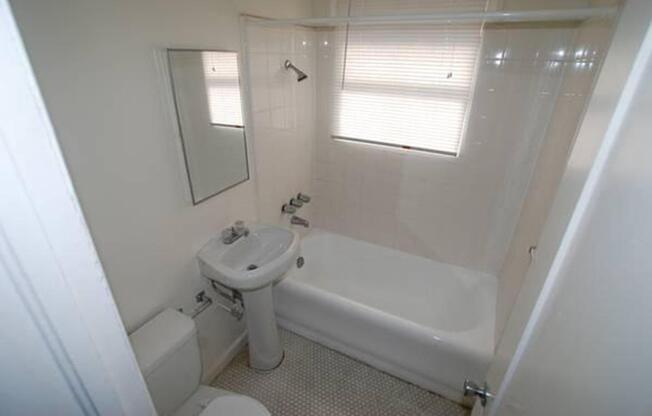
point(299, 221)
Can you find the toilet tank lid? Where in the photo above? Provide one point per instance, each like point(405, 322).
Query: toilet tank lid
point(159, 337)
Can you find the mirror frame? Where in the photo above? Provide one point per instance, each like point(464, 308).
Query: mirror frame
point(196, 201)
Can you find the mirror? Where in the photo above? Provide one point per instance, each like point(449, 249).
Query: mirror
point(206, 90)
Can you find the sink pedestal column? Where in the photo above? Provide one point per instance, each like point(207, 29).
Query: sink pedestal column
point(265, 351)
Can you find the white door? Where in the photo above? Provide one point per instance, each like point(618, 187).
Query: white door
point(579, 340)
point(63, 349)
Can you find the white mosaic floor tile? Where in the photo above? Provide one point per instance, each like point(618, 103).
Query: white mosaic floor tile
point(315, 380)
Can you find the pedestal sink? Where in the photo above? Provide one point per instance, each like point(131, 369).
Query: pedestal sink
point(250, 265)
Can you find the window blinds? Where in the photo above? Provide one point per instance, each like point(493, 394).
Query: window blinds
point(222, 88)
point(406, 86)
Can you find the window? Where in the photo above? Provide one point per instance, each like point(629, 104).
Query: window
point(223, 88)
point(406, 86)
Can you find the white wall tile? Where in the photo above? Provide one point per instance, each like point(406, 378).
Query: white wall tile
point(592, 36)
point(457, 210)
point(284, 146)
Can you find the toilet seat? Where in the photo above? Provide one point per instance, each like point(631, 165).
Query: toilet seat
point(235, 405)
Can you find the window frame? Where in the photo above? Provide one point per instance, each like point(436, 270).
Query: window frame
point(340, 64)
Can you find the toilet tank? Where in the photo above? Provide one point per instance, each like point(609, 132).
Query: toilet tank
point(168, 355)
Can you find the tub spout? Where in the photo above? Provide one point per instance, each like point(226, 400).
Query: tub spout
point(299, 221)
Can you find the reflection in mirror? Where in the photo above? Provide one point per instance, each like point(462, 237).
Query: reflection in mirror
point(206, 91)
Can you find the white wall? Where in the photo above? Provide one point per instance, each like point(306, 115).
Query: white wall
point(485, 209)
point(589, 346)
point(461, 210)
point(593, 39)
point(283, 115)
point(64, 349)
point(596, 337)
point(96, 64)
point(610, 84)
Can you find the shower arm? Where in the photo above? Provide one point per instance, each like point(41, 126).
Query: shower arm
point(300, 74)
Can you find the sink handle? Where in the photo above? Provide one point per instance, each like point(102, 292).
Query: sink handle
point(239, 227)
point(232, 233)
point(227, 233)
point(303, 197)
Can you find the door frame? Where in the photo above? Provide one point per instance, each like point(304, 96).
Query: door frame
point(47, 254)
point(608, 109)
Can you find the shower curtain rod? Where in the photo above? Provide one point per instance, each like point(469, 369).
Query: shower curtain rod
point(450, 17)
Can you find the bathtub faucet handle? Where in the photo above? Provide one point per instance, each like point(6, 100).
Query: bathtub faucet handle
point(288, 209)
point(296, 203)
point(303, 197)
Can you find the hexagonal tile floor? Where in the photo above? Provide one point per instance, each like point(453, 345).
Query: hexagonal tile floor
point(315, 380)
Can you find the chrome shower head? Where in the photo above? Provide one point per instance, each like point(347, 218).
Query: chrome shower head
point(300, 74)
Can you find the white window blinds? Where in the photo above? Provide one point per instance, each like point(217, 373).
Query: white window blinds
point(406, 86)
point(222, 87)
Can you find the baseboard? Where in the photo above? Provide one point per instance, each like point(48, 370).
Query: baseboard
point(236, 346)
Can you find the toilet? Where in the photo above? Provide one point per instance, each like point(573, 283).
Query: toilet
point(167, 352)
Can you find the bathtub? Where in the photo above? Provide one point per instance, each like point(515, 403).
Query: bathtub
point(429, 323)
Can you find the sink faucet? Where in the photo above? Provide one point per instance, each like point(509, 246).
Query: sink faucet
point(296, 220)
point(237, 230)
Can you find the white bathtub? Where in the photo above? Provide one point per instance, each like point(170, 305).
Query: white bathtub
point(426, 322)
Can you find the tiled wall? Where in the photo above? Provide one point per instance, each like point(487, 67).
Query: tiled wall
point(590, 46)
point(283, 116)
point(482, 210)
point(461, 210)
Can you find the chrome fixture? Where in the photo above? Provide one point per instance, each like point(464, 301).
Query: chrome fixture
point(303, 198)
point(288, 209)
point(473, 389)
point(236, 309)
point(295, 203)
point(237, 230)
point(299, 221)
point(532, 251)
point(204, 302)
point(300, 74)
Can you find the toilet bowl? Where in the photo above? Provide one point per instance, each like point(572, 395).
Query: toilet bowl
point(167, 352)
point(234, 404)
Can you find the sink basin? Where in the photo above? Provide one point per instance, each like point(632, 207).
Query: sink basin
point(252, 261)
point(250, 265)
